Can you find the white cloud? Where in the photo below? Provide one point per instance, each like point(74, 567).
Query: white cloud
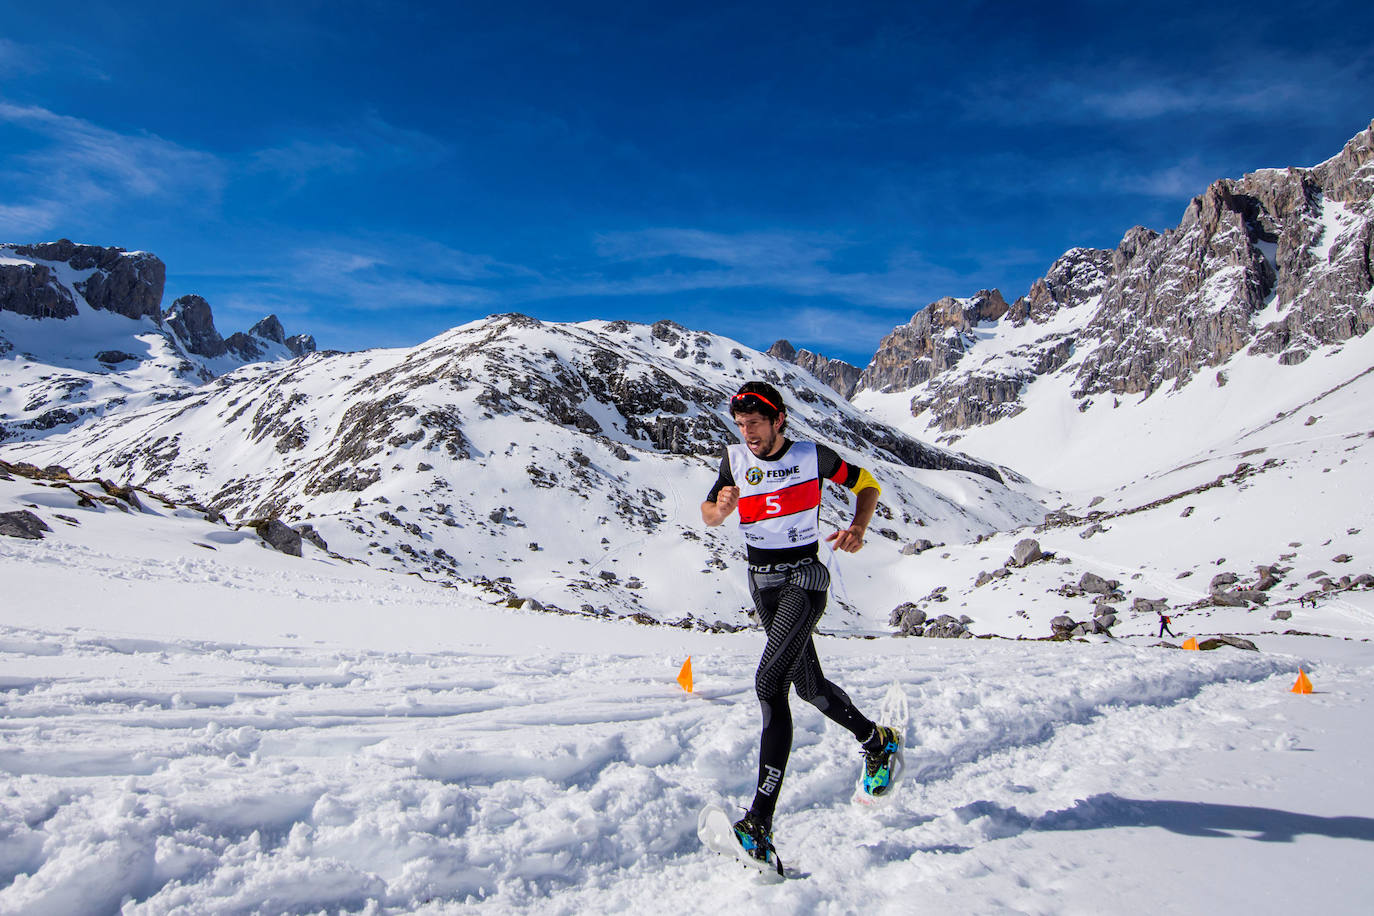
point(751, 250)
point(793, 263)
point(1243, 95)
point(27, 220)
point(74, 171)
point(83, 167)
point(1288, 85)
point(16, 58)
point(301, 159)
point(370, 143)
point(372, 275)
point(1184, 179)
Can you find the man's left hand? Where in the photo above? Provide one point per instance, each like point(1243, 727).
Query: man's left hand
point(850, 539)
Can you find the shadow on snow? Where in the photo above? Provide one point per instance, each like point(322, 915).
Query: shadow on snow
point(1200, 819)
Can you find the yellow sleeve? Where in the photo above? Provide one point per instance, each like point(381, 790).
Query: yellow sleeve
point(866, 482)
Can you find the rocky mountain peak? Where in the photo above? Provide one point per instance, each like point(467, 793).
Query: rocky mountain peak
point(934, 341)
point(256, 344)
point(841, 376)
point(32, 290)
point(783, 350)
point(191, 320)
point(1079, 275)
point(79, 366)
point(269, 328)
point(1349, 175)
point(1278, 262)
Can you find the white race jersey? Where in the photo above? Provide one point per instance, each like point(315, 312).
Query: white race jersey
point(779, 502)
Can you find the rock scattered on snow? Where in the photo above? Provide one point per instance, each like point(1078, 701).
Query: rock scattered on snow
point(278, 535)
point(1026, 552)
point(308, 532)
point(984, 578)
point(1216, 642)
point(22, 524)
point(1221, 580)
point(1092, 582)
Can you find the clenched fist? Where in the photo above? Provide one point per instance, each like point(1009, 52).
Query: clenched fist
point(727, 499)
point(714, 513)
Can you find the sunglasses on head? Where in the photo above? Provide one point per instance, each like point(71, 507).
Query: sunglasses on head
point(745, 399)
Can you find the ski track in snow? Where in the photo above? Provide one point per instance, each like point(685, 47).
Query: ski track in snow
point(200, 777)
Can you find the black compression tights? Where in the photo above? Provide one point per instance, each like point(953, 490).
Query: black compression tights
point(790, 605)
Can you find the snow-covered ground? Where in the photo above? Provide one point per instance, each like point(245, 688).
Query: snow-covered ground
point(191, 723)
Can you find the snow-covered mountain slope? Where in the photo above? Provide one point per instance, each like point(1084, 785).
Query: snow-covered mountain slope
point(192, 723)
point(1166, 492)
point(82, 333)
point(564, 464)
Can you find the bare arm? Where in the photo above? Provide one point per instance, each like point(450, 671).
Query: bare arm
point(715, 513)
point(851, 539)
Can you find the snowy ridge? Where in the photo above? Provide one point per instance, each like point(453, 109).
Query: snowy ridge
point(562, 464)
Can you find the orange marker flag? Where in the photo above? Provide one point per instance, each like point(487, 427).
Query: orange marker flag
point(684, 677)
point(1191, 644)
point(1302, 684)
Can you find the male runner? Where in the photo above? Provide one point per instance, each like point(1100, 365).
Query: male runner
point(775, 483)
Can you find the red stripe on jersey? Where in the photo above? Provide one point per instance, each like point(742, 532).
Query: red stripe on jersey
point(788, 501)
point(841, 473)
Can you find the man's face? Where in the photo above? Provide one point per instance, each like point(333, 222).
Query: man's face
point(761, 435)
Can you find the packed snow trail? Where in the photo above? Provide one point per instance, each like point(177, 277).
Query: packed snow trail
point(180, 775)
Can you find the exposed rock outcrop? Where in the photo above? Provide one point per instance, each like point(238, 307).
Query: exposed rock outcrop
point(123, 282)
point(838, 374)
point(190, 318)
point(278, 535)
point(934, 341)
point(31, 290)
point(249, 347)
point(22, 524)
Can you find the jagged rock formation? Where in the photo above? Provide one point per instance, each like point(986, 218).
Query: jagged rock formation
point(1279, 262)
point(838, 374)
point(123, 282)
point(935, 339)
point(249, 347)
point(43, 281)
point(32, 290)
point(1079, 275)
point(190, 319)
point(153, 355)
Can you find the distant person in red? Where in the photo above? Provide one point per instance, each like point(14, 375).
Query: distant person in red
point(1164, 625)
point(775, 484)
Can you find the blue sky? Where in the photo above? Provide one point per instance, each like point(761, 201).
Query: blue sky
point(375, 173)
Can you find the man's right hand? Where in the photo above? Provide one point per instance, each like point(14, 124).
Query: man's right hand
point(727, 499)
point(717, 512)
